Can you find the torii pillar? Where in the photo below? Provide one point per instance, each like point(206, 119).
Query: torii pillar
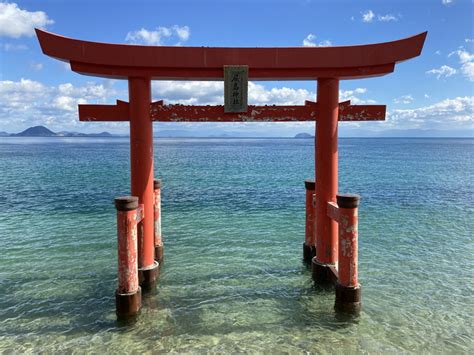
point(141, 161)
point(326, 177)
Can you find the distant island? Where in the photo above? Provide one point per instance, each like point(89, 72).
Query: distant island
point(42, 131)
point(304, 135)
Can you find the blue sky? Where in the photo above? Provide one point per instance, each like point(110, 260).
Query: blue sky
point(429, 95)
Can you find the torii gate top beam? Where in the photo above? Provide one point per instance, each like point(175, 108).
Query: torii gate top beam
point(206, 63)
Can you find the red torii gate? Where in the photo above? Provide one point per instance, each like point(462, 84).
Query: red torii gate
point(328, 65)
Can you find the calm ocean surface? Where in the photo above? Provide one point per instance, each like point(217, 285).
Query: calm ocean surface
point(233, 225)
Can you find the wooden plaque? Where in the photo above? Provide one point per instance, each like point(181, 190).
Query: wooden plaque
point(236, 78)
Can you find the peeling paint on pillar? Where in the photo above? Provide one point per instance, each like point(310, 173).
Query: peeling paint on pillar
point(127, 250)
point(157, 214)
point(348, 240)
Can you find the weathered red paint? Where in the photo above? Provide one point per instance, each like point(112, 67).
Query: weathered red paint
point(326, 169)
point(206, 63)
point(187, 113)
point(128, 293)
point(127, 251)
point(157, 214)
point(348, 241)
point(310, 238)
point(141, 159)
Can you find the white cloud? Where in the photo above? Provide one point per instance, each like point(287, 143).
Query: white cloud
point(189, 92)
point(404, 99)
point(310, 41)
point(466, 60)
point(182, 32)
point(259, 95)
point(370, 16)
point(387, 18)
point(16, 22)
point(212, 93)
point(353, 96)
point(448, 114)
point(443, 71)
point(156, 37)
point(26, 103)
point(426, 96)
point(469, 40)
point(446, 2)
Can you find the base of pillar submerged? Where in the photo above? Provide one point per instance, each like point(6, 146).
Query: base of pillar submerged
point(128, 305)
point(147, 277)
point(309, 252)
point(159, 252)
point(323, 274)
point(348, 299)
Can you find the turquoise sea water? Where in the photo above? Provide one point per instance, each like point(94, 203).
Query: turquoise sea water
point(233, 225)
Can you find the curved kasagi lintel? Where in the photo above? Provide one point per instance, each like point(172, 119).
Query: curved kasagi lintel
point(117, 60)
point(115, 72)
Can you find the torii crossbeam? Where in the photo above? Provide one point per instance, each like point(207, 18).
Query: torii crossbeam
point(186, 113)
point(327, 65)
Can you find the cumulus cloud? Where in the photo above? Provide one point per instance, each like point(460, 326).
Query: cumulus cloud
point(310, 41)
point(16, 22)
point(466, 60)
point(448, 114)
point(446, 2)
point(370, 16)
point(212, 93)
point(443, 71)
point(27, 102)
point(353, 96)
point(158, 36)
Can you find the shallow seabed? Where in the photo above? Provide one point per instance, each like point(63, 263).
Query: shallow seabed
point(233, 224)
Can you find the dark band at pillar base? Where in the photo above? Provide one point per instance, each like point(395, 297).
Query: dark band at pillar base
point(348, 299)
point(159, 252)
point(128, 305)
point(323, 274)
point(147, 277)
point(309, 252)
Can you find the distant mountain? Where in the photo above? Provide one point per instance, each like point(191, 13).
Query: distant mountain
point(78, 134)
point(41, 131)
point(37, 131)
point(101, 134)
point(304, 135)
